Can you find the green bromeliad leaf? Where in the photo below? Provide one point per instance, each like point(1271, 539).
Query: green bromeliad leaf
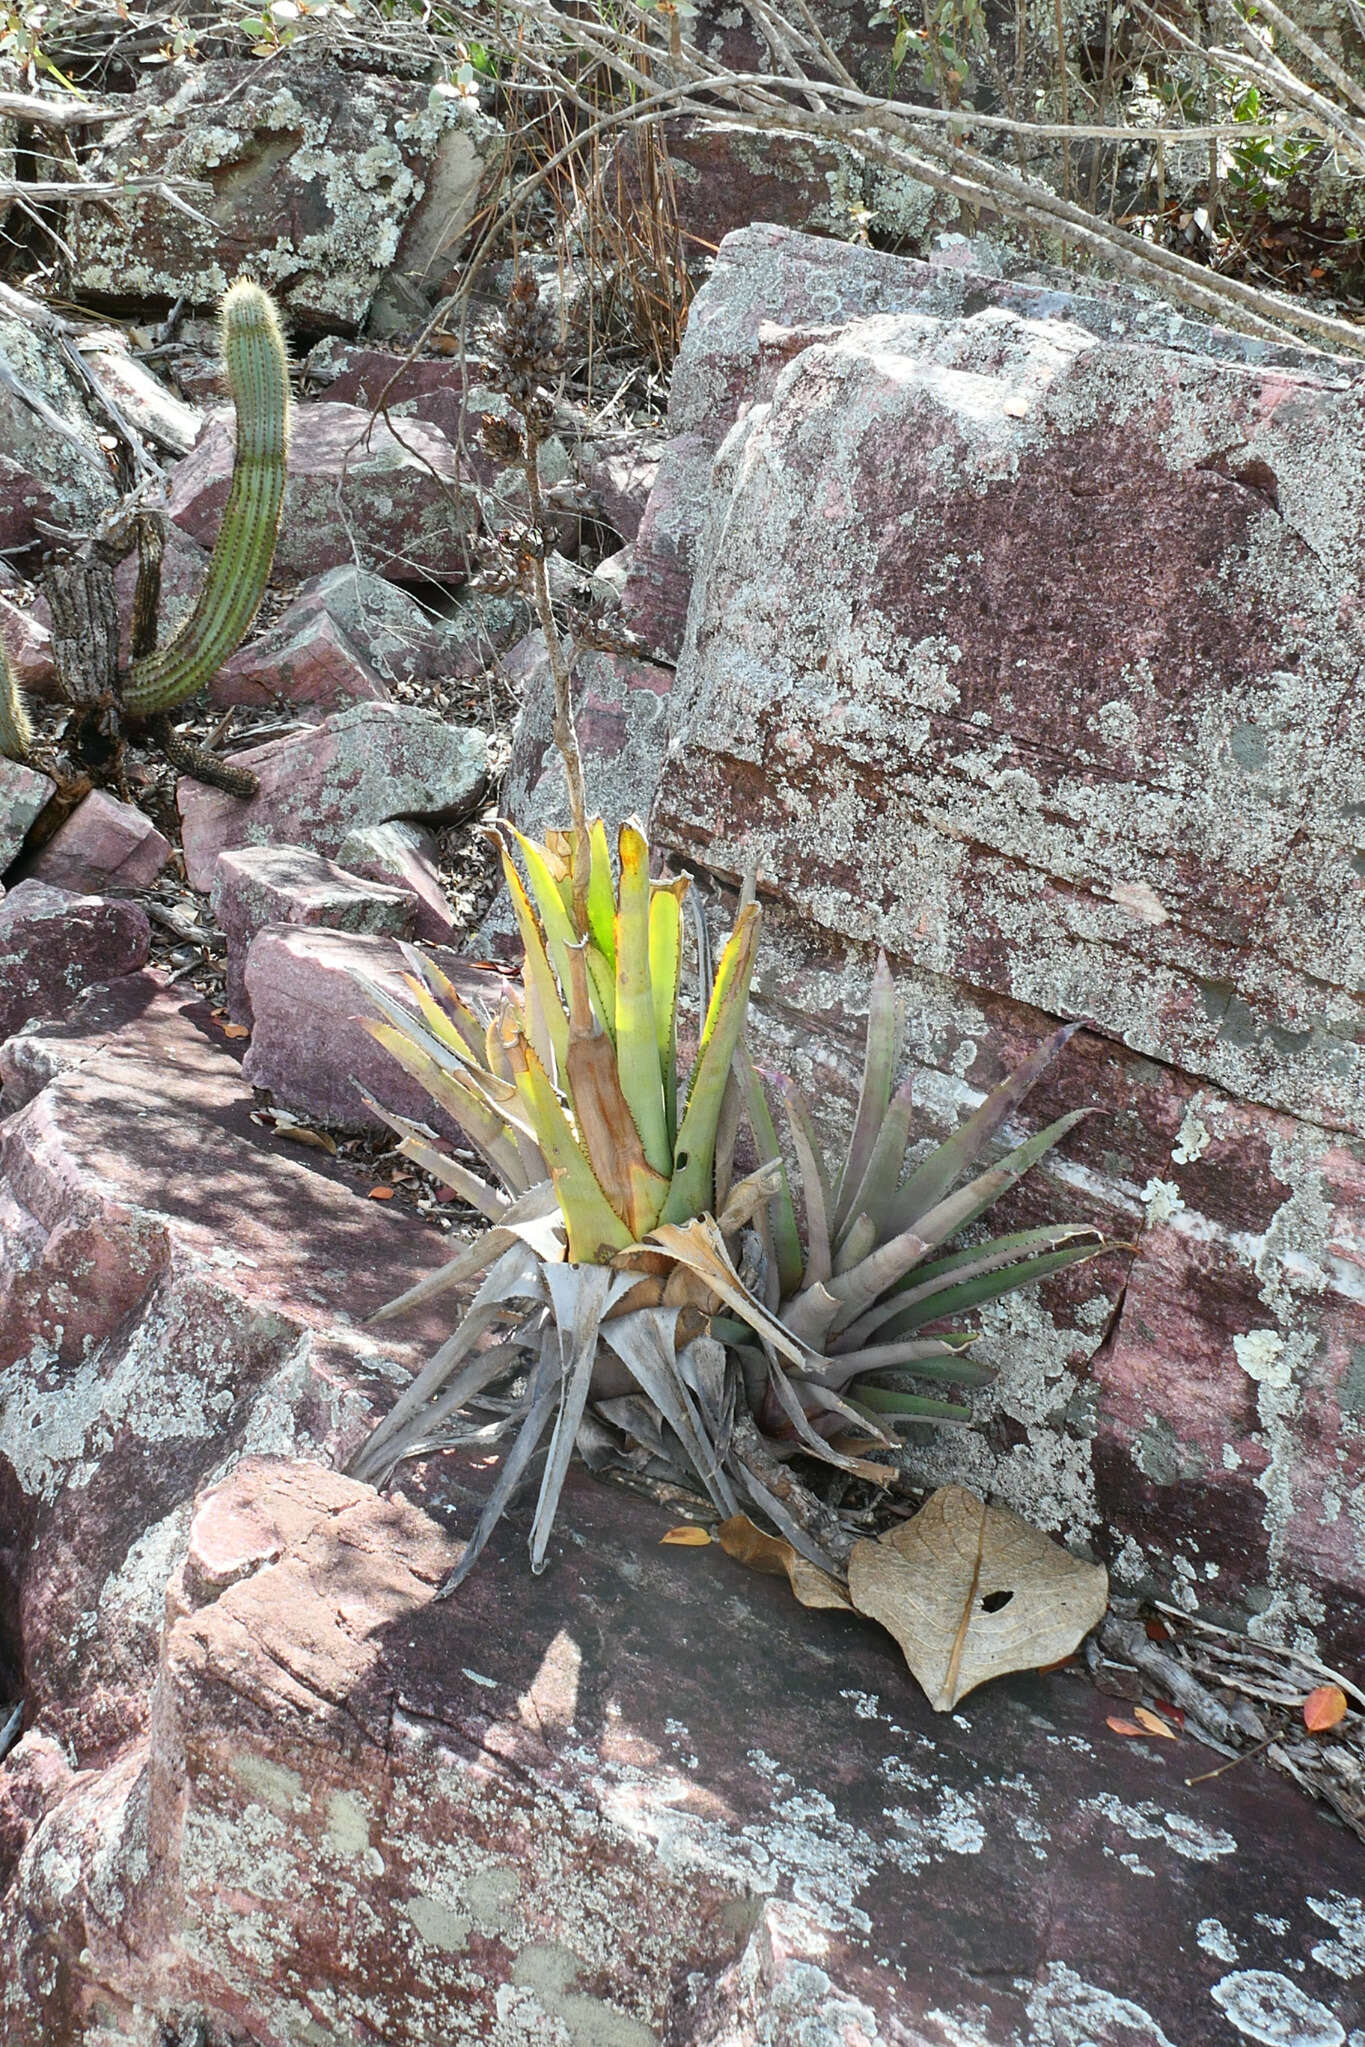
point(692, 1191)
point(637, 1044)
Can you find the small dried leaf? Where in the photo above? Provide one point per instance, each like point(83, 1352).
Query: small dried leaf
point(1154, 1723)
point(380, 1194)
point(233, 1030)
point(688, 1536)
point(1123, 1726)
point(298, 1133)
point(1323, 1708)
point(740, 1539)
point(972, 1592)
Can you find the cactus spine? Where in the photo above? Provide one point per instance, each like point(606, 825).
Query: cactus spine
point(16, 734)
point(239, 568)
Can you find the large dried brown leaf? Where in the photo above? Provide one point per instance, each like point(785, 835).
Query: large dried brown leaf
point(972, 1592)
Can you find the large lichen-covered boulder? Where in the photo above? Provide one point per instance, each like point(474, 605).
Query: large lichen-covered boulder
point(1067, 634)
point(325, 178)
point(772, 294)
point(1023, 639)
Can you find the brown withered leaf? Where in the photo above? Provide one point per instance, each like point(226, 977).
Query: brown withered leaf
point(972, 1592)
point(739, 1538)
point(1154, 1723)
point(608, 1131)
point(688, 1536)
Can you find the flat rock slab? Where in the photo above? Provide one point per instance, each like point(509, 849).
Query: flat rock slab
point(177, 1284)
point(308, 1045)
point(355, 484)
point(358, 767)
point(643, 1799)
point(53, 944)
point(446, 392)
point(105, 847)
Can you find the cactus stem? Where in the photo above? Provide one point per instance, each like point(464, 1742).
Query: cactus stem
point(16, 734)
point(239, 568)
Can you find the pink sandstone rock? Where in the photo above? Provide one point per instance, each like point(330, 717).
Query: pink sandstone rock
point(719, 180)
point(621, 716)
point(621, 473)
point(53, 944)
point(862, 39)
point(401, 854)
point(34, 1778)
point(395, 636)
point(259, 885)
point(301, 660)
point(432, 389)
point(357, 768)
point(391, 494)
point(659, 585)
point(105, 847)
point(23, 793)
point(597, 1806)
point(1036, 671)
point(28, 642)
point(772, 294)
point(307, 1045)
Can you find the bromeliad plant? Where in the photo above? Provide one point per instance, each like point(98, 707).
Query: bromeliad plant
point(631, 1287)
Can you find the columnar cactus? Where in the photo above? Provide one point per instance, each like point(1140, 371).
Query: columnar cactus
point(16, 734)
point(239, 568)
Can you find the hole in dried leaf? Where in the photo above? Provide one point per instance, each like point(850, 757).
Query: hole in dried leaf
point(993, 1601)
